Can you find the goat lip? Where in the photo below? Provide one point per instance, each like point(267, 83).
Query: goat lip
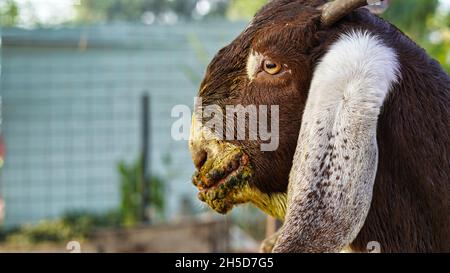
point(214, 177)
point(218, 185)
point(214, 184)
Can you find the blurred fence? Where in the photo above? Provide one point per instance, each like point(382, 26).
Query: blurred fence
point(71, 101)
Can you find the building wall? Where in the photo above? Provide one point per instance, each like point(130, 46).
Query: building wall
point(71, 111)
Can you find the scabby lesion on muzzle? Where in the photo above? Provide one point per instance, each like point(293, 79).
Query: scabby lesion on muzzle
point(225, 174)
point(223, 171)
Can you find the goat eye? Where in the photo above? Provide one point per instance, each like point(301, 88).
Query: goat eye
point(271, 68)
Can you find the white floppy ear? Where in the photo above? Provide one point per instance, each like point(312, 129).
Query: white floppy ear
point(335, 162)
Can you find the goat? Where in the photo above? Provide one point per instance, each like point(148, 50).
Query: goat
point(364, 130)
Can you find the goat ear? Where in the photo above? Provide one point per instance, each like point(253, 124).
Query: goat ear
point(335, 162)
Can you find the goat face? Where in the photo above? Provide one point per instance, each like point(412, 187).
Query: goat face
point(270, 63)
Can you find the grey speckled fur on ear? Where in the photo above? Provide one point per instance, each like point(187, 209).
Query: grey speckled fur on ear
point(335, 163)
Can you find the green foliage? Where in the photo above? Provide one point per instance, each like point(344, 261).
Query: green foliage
point(45, 231)
point(115, 10)
point(131, 193)
point(244, 9)
point(132, 11)
point(9, 13)
point(411, 16)
point(80, 225)
point(425, 23)
point(73, 226)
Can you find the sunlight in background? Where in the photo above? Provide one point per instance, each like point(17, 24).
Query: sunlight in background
point(54, 12)
point(46, 11)
point(445, 5)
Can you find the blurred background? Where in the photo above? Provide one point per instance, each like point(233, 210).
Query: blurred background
point(87, 88)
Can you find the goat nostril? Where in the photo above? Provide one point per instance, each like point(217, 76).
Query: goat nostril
point(200, 159)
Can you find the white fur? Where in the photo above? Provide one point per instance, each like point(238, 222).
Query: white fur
point(253, 64)
point(358, 67)
point(348, 89)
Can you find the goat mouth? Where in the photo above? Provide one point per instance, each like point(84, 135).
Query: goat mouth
point(219, 184)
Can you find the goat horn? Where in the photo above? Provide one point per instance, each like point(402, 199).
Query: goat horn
point(334, 11)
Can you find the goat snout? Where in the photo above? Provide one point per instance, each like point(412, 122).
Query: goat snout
point(199, 157)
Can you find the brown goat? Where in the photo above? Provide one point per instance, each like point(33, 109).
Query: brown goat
point(372, 159)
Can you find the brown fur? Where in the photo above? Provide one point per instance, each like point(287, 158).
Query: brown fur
point(410, 208)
